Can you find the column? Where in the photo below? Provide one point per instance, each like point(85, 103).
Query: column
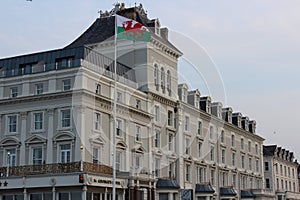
point(25, 194)
point(23, 137)
point(1, 196)
point(79, 129)
point(105, 196)
point(170, 196)
point(50, 136)
point(53, 193)
point(83, 196)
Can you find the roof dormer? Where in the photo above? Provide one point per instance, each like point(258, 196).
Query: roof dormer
point(183, 92)
point(216, 109)
point(194, 98)
point(245, 123)
point(237, 119)
point(205, 104)
point(227, 114)
point(252, 126)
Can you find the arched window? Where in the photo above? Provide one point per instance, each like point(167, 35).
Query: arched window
point(156, 77)
point(169, 82)
point(163, 81)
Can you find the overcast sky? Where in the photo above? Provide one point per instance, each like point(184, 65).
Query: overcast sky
point(255, 46)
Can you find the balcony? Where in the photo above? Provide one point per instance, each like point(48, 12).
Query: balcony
point(57, 168)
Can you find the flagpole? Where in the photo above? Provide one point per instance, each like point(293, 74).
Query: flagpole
point(115, 108)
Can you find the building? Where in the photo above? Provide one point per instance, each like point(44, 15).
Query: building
point(56, 123)
point(280, 172)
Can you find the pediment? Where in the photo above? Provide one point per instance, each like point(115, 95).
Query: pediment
point(97, 140)
point(10, 141)
point(138, 149)
point(35, 139)
point(121, 145)
point(64, 136)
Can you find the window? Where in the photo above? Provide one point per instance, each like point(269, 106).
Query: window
point(119, 97)
point(187, 123)
point(244, 182)
point(157, 167)
point(157, 113)
point(250, 163)
point(171, 169)
point(156, 77)
point(12, 123)
point(242, 143)
point(171, 142)
point(119, 127)
point(187, 146)
point(233, 159)
point(98, 89)
point(243, 161)
point(223, 156)
point(277, 183)
point(138, 134)
point(267, 183)
point(96, 155)
point(97, 122)
point(65, 153)
point(138, 104)
point(222, 136)
point(170, 118)
point(163, 81)
point(211, 132)
point(249, 146)
point(187, 172)
point(256, 149)
point(11, 157)
point(201, 174)
point(39, 88)
point(289, 172)
point(138, 161)
point(37, 155)
point(212, 153)
point(234, 180)
point(257, 165)
point(14, 92)
point(284, 170)
point(169, 82)
point(62, 63)
point(232, 140)
point(65, 118)
point(293, 173)
point(200, 150)
point(38, 121)
point(282, 186)
point(66, 84)
point(157, 139)
point(119, 160)
point(212, 177)
point(267, 166)
point(199, 128)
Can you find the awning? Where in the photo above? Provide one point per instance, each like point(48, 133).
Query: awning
point(161, 183)
point(247, 194)
point(227, 191)
point(204, 188)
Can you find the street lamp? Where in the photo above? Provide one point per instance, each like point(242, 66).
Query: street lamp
point(8, 161)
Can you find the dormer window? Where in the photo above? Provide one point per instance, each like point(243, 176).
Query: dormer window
point(157, 27)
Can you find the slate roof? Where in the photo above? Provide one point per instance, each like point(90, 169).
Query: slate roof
point(204, 188)
point(269, 150)
point(247, 194)
point(226, 191)
point(103, 29)
point(162, 183)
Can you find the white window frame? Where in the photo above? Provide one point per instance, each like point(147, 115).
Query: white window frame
point(34, 121)
point(97, 121)
point(119, 160)
point(39, 88)
point(232, 140)
point(14, 92)
point(60, 151)
point(157, 138)
point(199, 131)
point(97, 157)
point(8, 124)
point(171, 142)
point(211, 132)
point(187, 145)
point(11, 163)
point(157, 167)
point(98, 88)
point(233, 158)
point(66, 85)
point(157, 113)
point(212, 153)
point(187, 172)
point(186, 123)
point(119, 97)
point(33, 159)
point(119, 126)
point(222, 137)
point(138, 133)
point(61, 118)
point(223, 154)
point(200, 146)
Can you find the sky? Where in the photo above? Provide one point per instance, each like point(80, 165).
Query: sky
point(254, 47)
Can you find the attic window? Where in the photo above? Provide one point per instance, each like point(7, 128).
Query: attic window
point(157, 27)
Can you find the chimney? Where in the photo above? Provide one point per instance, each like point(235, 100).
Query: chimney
point(123, 6)
point(164, 32)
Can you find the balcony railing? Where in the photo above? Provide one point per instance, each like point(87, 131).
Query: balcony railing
point(57, 168)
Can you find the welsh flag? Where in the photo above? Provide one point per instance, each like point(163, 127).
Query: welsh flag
point(132, 30)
